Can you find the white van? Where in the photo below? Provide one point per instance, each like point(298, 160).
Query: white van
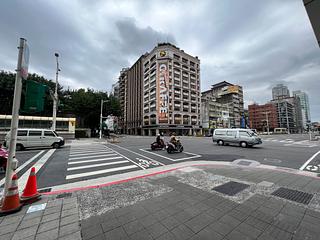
point(239, 136)
point(36, 138)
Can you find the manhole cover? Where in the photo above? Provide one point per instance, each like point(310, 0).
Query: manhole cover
point(45, 190)
point(245, 163)
point(64, 195)
point(293, 195)
point(231, 188)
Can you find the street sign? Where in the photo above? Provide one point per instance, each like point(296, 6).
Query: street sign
point(25, 61)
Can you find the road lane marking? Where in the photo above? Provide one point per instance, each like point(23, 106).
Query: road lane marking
point(93, 153)
point(97, 165)
point(95, 160)
point(87, 151)
point(23, 165)
point(138, 154)
point(86, 157)
point(171, 159)
point(38, 165)
point(86, 174)
point(309, 160)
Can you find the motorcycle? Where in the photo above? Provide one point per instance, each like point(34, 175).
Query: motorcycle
point(171, 148)
point(3, 159)
point(158, 146)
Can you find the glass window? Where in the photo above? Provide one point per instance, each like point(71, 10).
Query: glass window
point(220, 132)
point(231, 133)
point(244, 134)
point(34, 133)
point(22, 133)
point(49, 134)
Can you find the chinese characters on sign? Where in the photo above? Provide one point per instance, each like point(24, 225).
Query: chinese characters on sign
point(163, 93)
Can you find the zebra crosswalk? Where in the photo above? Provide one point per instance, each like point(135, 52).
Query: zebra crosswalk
point(291, 142)
point(87, 161)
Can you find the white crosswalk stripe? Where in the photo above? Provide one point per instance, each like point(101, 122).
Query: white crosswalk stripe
point(289, 142)
point(90, 160)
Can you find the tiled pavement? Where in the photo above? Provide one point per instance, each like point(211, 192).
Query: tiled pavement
point(186, 212)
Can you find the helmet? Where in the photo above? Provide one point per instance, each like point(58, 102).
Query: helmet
point(158, 134)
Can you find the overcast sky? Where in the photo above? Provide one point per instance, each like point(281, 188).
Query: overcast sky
point(256, 44)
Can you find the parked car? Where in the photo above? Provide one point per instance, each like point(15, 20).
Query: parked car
point(237, 136)
point(36, 138)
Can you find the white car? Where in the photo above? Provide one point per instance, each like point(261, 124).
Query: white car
point(35, 138)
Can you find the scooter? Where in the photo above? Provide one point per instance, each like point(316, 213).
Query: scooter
point(157, 146)
point(171, 148)
point(3, 159)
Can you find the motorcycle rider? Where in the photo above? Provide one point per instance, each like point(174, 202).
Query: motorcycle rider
point(173, 139)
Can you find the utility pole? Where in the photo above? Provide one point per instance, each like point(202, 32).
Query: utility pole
point(23, 59)
point(55, 96)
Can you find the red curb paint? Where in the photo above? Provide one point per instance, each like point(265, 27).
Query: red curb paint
point(153, 174)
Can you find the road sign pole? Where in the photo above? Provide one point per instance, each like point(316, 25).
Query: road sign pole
point(15, 119)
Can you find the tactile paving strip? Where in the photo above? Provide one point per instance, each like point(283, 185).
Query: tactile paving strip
point(293, 195)
point(231, 188)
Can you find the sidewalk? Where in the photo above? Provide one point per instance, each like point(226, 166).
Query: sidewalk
point(181, 204)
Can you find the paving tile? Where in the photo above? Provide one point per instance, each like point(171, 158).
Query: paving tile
point(89, 222)
point(9, 220)
point(6, 236)
point(148, 220)
point(182, 232)
point(70, 200)
point(8, 228)
point(52, 210)
point(91, 231)
point(29, 222)
point(69, 212)
point(313, 213)
point(236, 235)
point(207, 234)
point(170, 222)
point(73, 236)
point(275, 233)
point(230, 220)
point(24, 233)
point(68, 229)
point(311, 219)
point(50, 217)
point(132, 227)
point(221, 228)
point(69, 206)
point(199, 222)
point(166, 236)
point(215, 213)
point(117, 233)
point(241, 216)
point(156, 230)
point(303, 233)
point(69, 219)
point(48, 226)
point(48, 235)
point(262, 216)
point(162, 214)
point(248, 230)
point(256, 223)
point(54, 203)
point(286, 222)
point(110, 225)
point(126, 218)
point(33, 215)
point(141, 235)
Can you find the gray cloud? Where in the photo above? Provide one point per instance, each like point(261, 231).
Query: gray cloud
point(256, 44)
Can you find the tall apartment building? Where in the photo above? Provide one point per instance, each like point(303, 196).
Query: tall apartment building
point(262, 117)
point(171, 91)
point(288, 111)
point(303, 101)
point(280, 91)
point(115, 90)
point(222, 106)
point(161, 93)
point(123, 99)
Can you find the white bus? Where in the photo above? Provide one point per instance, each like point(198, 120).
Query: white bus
point(280, 130)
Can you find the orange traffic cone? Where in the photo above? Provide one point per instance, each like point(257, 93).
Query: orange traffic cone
point(30, 192)
point(11, 202)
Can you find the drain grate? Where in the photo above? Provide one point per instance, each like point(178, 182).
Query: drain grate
point(293, 195)
point(45, 190)
point(231, 188)
point(64, 195)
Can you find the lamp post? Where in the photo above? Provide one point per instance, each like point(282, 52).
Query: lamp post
point(267, 120)
point(55, 97)
point(101, 117)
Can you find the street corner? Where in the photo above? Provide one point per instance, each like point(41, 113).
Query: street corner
point(312, 164)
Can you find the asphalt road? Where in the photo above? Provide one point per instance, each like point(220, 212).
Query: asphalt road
point(90, 159)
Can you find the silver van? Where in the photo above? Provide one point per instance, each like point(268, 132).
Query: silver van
point(35, 138)
point(237, 136)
